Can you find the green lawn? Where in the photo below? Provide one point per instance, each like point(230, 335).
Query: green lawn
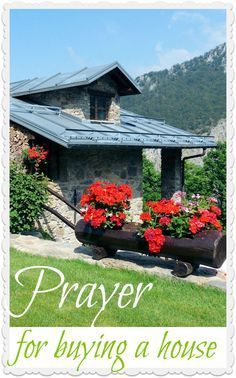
point(171, 303)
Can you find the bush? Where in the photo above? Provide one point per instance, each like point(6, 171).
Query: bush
point(151, 182)
point(214, 169)
point(28, 193)
point(195, 180)
point(209, 180)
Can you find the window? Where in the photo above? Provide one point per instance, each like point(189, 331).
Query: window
point(99, 106)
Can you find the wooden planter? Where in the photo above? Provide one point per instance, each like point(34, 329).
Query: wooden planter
point(206, 248)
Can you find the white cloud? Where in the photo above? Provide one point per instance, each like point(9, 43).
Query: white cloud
point(165, 59)
point(168, 58)
point(187, 17)
point(214, 35)
point(209, 33)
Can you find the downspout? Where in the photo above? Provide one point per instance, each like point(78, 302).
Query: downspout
point(190, 157)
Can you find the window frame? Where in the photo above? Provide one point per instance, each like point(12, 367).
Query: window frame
point(97, 107)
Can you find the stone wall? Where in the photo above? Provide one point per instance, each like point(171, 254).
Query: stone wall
point(75, 169)
point(76, 100)
point(106, 84)
point(73, 100)
point(82, 167)
point(19, 140)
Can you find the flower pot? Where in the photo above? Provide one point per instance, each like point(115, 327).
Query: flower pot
point(206, 248)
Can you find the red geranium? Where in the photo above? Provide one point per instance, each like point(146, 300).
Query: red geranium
point(35, 157)
point(164, 221)
point(112, 200)
point(164, 206)
point(216, 210)
point(183, 218)
point(95, 216)
point(155, 239)
point(195, 225)
point(146, 217)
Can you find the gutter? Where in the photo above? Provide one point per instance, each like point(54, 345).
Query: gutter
point(190, 157)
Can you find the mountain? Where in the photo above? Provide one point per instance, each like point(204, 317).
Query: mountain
point(190, 96)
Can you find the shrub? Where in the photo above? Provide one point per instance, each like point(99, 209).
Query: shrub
point(151, 182)
point(209, 179)
point(28, 193)
point(215, 169)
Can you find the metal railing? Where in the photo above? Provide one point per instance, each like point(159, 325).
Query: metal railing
point(56, 213)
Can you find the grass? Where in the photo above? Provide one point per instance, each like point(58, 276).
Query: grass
point(170, 303)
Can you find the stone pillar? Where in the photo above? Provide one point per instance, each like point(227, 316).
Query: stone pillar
point(171, 171)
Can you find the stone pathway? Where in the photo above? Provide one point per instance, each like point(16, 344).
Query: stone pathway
point(123, 260)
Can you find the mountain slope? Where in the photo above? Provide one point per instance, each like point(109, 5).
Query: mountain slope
point(191, 95)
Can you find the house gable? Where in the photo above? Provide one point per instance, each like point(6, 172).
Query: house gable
point(90, 93)
point(77, 101)
point(86, 76)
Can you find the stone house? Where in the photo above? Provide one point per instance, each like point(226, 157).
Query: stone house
point(89, 137)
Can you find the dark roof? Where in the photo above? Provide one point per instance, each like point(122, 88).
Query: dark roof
point(133, 130)
point(85, 76)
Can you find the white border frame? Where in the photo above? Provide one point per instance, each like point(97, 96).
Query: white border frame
point(230, 163)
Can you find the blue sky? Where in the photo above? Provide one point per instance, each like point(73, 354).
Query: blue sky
point(44, 42)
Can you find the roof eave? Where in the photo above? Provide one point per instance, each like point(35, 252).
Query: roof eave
point(108, 143)
point(39, 131)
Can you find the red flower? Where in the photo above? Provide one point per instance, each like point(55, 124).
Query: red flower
point(164, 206)
point(164, 221)
point(208, 217)
point(95, 216)
point(155, 239)
point(217, 225)
point(118, 219)
point(37, 154)
point(112, 200)
point(85, 200)
point(195, 225)
point(216, 210)
point(146, 217)
point(126, 190)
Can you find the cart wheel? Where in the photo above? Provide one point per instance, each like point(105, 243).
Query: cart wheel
point(182, 269)
point(111, 252)
point(99, 253)
point(195, 267)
